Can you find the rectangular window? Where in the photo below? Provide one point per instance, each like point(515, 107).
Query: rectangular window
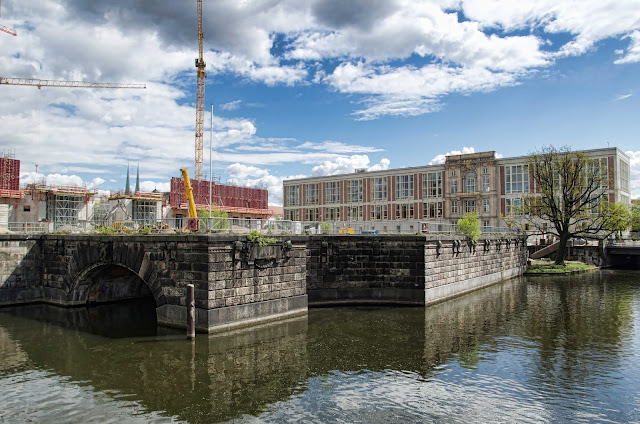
point(516, 179)
point(404, 211)
point(379, 189)
point(485, 170)
point(379, 212)
point(292, 195)
point(486, 208)
point(485, 224)
point(432, 210)
point(454, 206)
point(354, 191)
point(624, 176)
point(453, 172)
point(354, 213)
point(470, 183)
point(332, 192)
point(292, 215)
point(311, 214)
point(311, 192)
point(404, 187)
point(332, 214)
point(513, 207)
point(469, 205)
point(485, 183)
point(454, 186)
point(432, 184)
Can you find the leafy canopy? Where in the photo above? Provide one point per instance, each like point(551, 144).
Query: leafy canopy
point(469, 225)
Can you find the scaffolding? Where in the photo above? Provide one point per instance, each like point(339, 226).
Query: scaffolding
point(145, 212)
point(101, 210)
point(9, 172)
point(63, 209)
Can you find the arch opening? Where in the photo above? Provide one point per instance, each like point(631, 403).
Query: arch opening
point(117, 302)
point(109, 283)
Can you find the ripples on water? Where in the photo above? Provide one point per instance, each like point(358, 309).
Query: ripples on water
point(561, 350)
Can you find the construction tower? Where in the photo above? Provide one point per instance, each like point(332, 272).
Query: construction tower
point(199, 99)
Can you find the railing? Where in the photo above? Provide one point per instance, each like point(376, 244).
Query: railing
point(243, 226)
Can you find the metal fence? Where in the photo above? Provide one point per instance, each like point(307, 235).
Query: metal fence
point(243, 226)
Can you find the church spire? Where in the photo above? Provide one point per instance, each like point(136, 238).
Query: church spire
point(127, 189)
point(138, 180)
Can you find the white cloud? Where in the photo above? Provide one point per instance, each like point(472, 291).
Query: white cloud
point(633, 53)
point(231, 105)
point(250, 176)
point(346, 165)
point(623, 96)
point(240, 171)
point(268, 74)
point(149, 186)
point(338, 147)
point(411, 91)
point(440, 159)
point(95, 183)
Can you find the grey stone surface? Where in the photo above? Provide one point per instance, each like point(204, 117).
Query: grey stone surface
point(236, 284)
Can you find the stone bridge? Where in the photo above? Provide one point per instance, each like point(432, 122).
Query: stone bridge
point(613, 255)
point(240, 283)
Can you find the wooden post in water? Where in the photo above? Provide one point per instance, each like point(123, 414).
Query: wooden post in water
point(191, 312)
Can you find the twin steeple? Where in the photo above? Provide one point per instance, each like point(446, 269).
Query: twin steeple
point(127, 188)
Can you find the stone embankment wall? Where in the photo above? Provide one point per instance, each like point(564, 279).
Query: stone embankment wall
point(234, 283)
point(454, 267)
point(239, 283)
point(20, 270)
point(407, 269)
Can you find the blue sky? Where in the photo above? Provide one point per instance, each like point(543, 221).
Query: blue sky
point(314, 87)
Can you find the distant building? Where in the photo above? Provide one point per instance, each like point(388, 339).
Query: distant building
point(493, 187)
point(238, 202)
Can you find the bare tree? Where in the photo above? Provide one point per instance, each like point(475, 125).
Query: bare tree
point(569, 197)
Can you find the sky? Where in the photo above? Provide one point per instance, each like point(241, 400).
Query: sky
point(305, 88)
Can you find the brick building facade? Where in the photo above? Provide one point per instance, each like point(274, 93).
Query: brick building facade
point(481, 182)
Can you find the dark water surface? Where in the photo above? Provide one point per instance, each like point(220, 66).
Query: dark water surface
point(528, 350)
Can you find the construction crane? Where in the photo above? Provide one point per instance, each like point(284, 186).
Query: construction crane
point(199, 98)
point(54, 83)
point(188, 194)
point(7, 30)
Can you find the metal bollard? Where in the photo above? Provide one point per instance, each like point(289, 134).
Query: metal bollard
point(191, 312)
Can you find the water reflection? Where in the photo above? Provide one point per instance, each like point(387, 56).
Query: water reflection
point(525, 350)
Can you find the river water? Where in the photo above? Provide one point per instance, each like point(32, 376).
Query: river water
point(561, 349)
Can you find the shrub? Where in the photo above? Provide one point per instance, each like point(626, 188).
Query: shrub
point(469, 225)
point(257, 237)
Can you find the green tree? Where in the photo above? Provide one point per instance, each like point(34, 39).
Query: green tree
point(571, 196)
point(469, 225)
point(219, 221)
point(618, 218)
point(635, 218)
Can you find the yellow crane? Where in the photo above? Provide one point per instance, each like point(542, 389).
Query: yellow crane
point(188, 194)
point(55, 83)
point(199, 98)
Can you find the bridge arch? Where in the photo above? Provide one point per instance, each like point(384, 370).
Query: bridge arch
point(103, 282)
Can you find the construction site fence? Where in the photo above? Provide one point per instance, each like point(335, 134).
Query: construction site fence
point(243, 226)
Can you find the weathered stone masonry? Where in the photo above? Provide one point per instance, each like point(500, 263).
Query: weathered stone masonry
point(407, 269)
point(232, 285)
point(239, 283)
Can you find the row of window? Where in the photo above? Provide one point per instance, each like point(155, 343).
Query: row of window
point(432, 187)
point(431, 210)
point(516, 180)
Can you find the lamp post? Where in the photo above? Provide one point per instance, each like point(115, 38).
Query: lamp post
point(210, 170)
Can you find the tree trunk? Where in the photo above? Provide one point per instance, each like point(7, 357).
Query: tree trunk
point(562, 247)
